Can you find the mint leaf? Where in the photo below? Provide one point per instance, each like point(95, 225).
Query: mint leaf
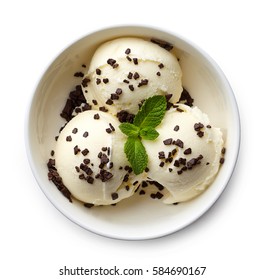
point(136, 154)
point(148, 117)
point(152, 112)
point(129, 129)
point(148, 133)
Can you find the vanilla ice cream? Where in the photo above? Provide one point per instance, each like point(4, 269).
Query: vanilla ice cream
point(89, 157)
point(125, 71)
point(185, 157)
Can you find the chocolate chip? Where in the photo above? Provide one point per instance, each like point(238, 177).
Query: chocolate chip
point(168, 141)
point(136, 76)
point(77, 169)
point(124, 116)
point(69, 138)
point(179, 143)
point(130, 75)
point(128, 58)
point(105, 80)
point(103, 109)
point(128, 51)
point(185, 96)
point(74, 131)
point(114, 96)
point(187, 151)
point(131, 87)
point(96, 116)
point(85, 82)
point(200, 134)
point(161, 65)
point(94, 101)
point(111, 61)
point(163, 44)
point(176, 128)
point(135, 61)
point(85, 152)
point(142, 192)
point(143, 82)
point(118, 91)
point(158, 74)
point(86, 160)
point(104, 175)
point(161, 155)
point(90, 180)
point(223, 150)
point(222, 160)
point(109, 102)
point(85, 134)
point(79, 74)
point(76, 150)
point(126, 81)
point(112, 127)
point(98, 71)
point(108, 130)
point(198, 126)
point(114, 196)
point(88, 205)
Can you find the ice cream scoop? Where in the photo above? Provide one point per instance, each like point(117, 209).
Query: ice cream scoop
point(125, 71)
point(89, 157)
point(185, 157)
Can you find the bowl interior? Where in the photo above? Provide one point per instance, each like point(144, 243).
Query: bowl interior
point(138, 217)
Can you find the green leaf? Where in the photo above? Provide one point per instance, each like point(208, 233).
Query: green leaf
point(148, 133)
point(129, 129)
point(152, 112)
point(136, 154)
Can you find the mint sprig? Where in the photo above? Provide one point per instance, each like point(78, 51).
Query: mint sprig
point(148, 117)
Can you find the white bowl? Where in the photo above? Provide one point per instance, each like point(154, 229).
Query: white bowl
point(138, 217)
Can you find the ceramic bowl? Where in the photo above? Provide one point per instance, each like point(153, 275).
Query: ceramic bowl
point(138, 217)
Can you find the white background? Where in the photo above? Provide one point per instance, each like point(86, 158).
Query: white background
point(36, 240)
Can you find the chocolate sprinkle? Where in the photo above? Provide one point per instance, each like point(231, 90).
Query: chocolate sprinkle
point(135, 61)
point(111, 61)
point(85, 152)
point(124, 116)
point(88, 205)
point(76, 150)
point(74, 131)
point(176, 128)
point(179, 143)
point(128, 51)
point(168, 141)
point(114, 196)
point(136, 76)
point(163, 44)
point(186, 98)
point(96, 116)
point(131, 87)
point(85, 134)
point(79, 74)
point(187, 151)
point(54, 176)
point(85, 82)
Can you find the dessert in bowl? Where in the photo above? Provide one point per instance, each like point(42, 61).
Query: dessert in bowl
point(184, 171)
